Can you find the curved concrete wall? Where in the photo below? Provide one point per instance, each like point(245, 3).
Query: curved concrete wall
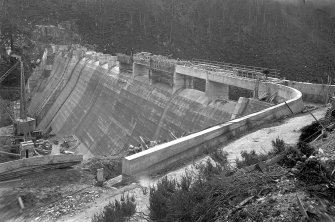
point(165, 155)
point(107, 112)
point(311, 92)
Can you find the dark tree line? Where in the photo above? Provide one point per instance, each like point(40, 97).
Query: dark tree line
point(297, 38)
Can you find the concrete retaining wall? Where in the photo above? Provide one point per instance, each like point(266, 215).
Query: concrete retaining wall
point(312, 92)
point(165, 155)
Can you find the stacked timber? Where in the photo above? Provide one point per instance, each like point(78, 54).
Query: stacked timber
point(21, 167)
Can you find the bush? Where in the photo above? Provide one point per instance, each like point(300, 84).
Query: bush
point(204, 198)
point(250, 158)
point(117, 211)
point(278, 145)
point(158, 198)
point(306, 149)
point(187, 200)
point(290, 159)
point(220, 157)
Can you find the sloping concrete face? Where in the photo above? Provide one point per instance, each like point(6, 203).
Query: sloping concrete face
point(107, 112)
point(246, 106)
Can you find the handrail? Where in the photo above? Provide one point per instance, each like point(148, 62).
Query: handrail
point(237, 67)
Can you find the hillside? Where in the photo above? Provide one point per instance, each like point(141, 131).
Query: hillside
point(297, 38)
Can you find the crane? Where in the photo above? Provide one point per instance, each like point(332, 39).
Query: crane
point(23, 125)
point(3, 104)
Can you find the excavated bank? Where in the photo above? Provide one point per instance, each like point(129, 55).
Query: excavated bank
point(107, 111)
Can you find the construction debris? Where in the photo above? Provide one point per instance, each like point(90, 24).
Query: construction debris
point(17, 168)
point(144, 145)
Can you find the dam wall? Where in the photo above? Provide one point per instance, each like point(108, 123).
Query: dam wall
point(108, 111)
point(42, 88)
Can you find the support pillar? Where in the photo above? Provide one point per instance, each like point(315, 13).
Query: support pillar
point(216, 90)
point(178, 82)
point(123, 67)
point(189, 82)
point(240, 107)
point(140, 70)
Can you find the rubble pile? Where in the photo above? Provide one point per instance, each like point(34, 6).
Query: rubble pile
point(68, 205)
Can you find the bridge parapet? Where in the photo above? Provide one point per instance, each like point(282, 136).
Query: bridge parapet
point(224, 70)
point(156, 62)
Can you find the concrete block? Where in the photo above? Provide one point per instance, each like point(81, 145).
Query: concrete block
point(100, 175)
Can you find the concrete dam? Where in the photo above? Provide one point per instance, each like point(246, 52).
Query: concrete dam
point(83, 93)
point(108, 111)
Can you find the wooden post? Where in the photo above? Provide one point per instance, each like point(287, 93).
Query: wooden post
point(328, 88)
point(256, 88)
point(20, 202)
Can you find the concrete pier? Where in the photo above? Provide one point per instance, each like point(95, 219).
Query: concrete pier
point(140, 70)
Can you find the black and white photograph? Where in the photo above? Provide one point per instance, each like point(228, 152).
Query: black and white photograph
point(167, 110)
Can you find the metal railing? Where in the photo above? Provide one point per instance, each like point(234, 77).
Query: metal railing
point(237, 67)
point(165, 64)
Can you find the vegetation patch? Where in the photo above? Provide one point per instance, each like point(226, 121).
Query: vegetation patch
point(221, 192)
point(117, 211)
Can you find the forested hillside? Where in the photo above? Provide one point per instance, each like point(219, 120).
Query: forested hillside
point(295, 36)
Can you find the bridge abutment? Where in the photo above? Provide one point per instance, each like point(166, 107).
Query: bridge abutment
point(178, 82)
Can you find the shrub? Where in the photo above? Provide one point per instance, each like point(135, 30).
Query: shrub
point(208, 169)
point(214, 192)
point(305, 149)
point(198, 199)
point(290, 159)
point(250, 158)
point(158, 198)
point(117, 211)
point(187, 200)
point(278, 146)
point(220, 157)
